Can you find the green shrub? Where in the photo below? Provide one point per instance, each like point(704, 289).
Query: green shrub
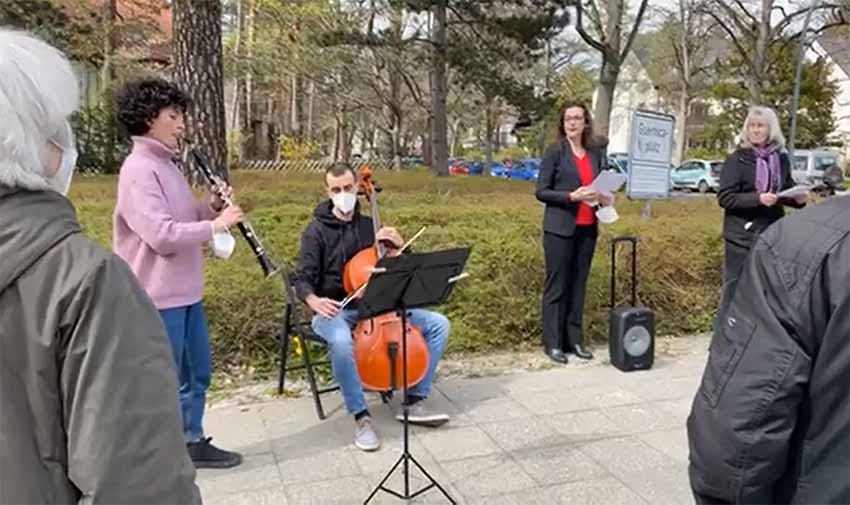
point(101, 150)
point(498, 306)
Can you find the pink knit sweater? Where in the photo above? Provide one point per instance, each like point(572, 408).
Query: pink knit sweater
point(158, 226)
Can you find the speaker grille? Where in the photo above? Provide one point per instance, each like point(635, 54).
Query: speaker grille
point(636, 341)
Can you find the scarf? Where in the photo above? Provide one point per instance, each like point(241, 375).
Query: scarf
point(767, 168)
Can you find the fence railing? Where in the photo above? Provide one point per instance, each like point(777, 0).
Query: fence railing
point(308, 165)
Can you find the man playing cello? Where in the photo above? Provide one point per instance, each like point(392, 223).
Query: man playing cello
point(336, 234)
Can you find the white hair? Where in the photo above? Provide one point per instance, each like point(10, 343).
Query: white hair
point(768, 116)
point(38, 91)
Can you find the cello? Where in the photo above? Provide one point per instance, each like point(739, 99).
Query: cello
point(377, 341)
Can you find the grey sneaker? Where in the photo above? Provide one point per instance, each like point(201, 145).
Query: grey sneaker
point(365, 437)
point(419, 413)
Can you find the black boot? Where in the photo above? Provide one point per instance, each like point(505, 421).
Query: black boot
point(581, 352)
point(206, 455)
point(557, 356)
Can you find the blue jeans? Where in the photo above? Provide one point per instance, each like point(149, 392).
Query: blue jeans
point(190, 344)
point(337, 333)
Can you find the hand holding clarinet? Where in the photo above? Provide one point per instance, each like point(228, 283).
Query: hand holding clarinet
point(232, 214)
point(221, 202)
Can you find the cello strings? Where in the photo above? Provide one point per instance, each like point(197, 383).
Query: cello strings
point(348, 299)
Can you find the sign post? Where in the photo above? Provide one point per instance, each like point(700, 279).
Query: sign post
point(650, 151)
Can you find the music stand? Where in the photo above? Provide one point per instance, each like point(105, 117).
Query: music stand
point(396, 285)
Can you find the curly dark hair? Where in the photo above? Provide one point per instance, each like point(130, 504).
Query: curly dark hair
point(141, 101)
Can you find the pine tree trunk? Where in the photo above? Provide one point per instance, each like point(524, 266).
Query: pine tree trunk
point(198, 70)
point(488, 130)
point(439, 124)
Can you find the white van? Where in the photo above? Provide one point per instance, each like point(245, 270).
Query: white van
point(809, 164)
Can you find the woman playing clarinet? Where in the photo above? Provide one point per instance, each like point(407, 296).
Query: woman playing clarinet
point(159, 230)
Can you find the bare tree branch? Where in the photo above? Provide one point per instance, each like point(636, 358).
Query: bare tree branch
point(596, 19)
point(746, 12)
point(633, 34)
point(584, 35)
point(737, 43)
point(788, 19)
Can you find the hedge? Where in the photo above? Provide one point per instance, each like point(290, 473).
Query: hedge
point(498, 306)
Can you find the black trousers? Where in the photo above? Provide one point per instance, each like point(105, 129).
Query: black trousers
point(734, 256)
point(567, 261)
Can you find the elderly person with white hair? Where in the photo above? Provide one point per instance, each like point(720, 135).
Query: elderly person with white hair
point(749, 182)
point(85, 358)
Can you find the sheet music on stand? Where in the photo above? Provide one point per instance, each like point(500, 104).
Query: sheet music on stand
point(418, 280)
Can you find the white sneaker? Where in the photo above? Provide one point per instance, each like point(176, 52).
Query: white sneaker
point(365, 437)
point(418, 413)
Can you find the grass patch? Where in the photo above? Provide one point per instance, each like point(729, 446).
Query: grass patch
point(498, 307)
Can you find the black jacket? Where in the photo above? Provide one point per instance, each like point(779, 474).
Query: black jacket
point(738, 196)
point(770, 422)
point(558, 177)
point(326, 245)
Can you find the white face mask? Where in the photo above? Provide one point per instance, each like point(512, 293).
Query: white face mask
point(61, 180)
point(345, 201)
point(223, 244)
point(607, 215)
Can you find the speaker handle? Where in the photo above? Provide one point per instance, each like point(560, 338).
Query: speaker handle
point(624, 238)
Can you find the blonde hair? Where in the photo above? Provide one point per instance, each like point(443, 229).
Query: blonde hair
point(38, 91)
point(769, 116)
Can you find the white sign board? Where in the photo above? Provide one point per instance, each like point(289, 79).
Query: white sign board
point(650, 150)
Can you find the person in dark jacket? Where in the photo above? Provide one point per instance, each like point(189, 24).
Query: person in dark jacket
point(770, 422)
point(569, 229)
point(84, 358)
point(749, 182)
point(336, 234)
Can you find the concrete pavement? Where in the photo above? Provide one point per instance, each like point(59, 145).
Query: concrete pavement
point(581, 434)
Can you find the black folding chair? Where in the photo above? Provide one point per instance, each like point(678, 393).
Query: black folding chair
point(294, 327)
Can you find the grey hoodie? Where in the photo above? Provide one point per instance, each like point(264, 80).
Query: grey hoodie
point(88, 392)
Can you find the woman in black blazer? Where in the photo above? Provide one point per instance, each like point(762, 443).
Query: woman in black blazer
point(569, 229)
point(749, 182)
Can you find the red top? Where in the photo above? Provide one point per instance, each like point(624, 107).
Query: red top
point(585, 216)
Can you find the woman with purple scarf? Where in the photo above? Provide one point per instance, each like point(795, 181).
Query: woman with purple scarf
point(750, 180)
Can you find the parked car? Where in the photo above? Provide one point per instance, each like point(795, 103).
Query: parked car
point(412, 161)
point(475, 168)
point(620, 165)
point(697, 175)
point(526, 170)
point(497, 169)
point(809, 165)
point(458, 167)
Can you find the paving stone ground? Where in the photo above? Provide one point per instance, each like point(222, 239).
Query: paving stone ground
point(579, 434)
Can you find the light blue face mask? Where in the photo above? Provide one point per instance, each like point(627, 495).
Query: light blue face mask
point(61, 180)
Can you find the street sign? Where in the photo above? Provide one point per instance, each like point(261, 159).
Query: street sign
point(650, 150)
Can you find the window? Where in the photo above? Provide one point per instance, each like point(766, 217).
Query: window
point(822, 162)
point(716, 167)
point(800, 162)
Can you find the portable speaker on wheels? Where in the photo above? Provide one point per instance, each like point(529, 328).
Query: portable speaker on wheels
point(631, 330)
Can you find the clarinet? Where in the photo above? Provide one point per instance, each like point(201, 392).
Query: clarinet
point(214, 181)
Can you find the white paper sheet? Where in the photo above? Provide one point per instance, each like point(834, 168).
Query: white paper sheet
point(608, 181)
point(795, 191)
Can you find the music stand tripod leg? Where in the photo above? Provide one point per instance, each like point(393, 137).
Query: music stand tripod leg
point(406, 457)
